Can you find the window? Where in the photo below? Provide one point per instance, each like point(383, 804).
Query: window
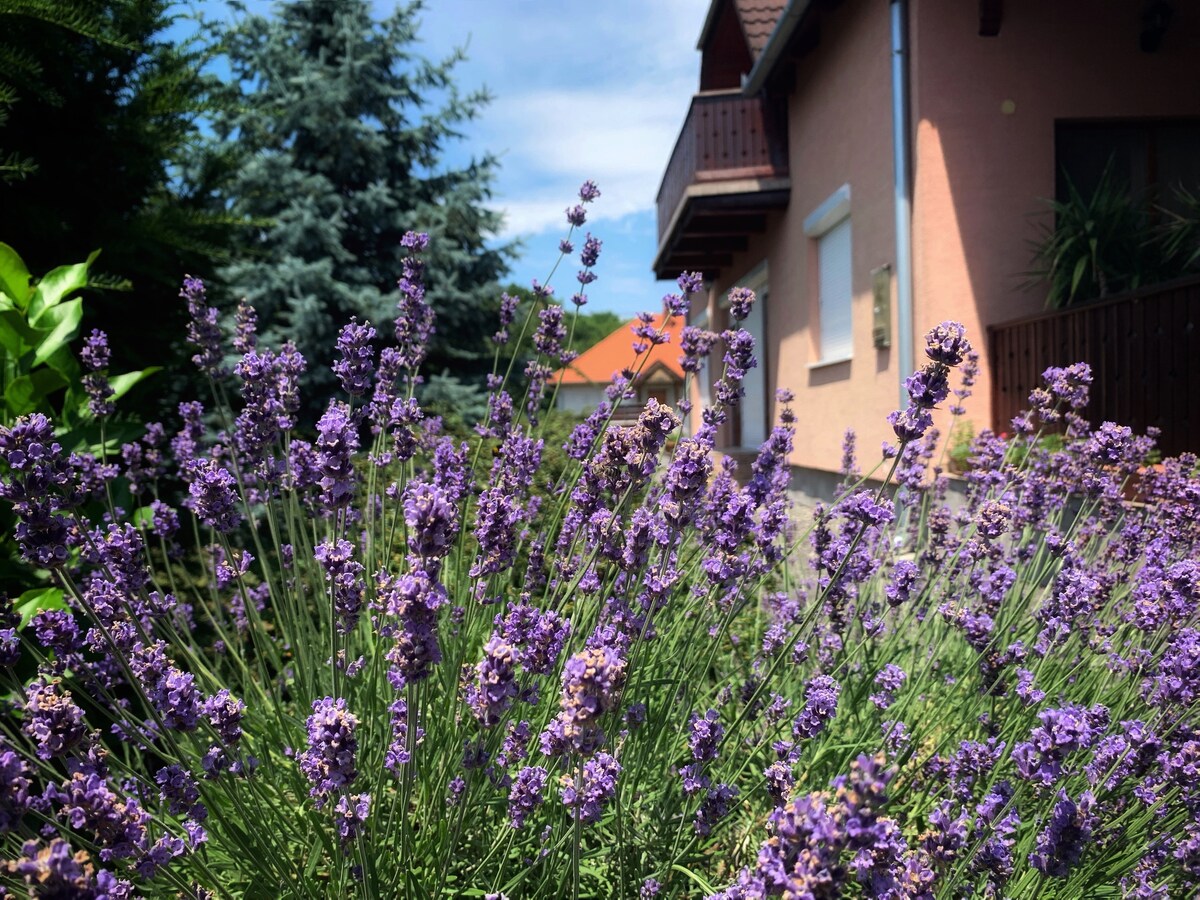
point(829, 227)
point(1151, 158)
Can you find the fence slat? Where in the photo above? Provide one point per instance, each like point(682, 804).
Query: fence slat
point(1144, 350)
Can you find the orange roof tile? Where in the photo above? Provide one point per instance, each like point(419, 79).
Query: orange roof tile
point(598, 363)
point(759, 18)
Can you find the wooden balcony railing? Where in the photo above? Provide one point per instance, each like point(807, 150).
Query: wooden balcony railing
point(1144, 350)
point(725, 137)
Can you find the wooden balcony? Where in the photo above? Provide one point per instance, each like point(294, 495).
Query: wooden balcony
point(729, 168)
point(1144, 350)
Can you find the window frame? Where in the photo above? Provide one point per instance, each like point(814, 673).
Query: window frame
point(833, 213)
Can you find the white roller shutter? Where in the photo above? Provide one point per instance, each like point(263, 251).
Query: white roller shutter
point(834, 273)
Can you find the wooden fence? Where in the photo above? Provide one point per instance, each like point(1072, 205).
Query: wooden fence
point(1144, 350)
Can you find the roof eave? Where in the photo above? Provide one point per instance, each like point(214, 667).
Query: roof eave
point(773, 52)
point(710, 19)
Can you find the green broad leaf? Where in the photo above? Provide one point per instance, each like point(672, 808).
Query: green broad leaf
point(33, 601)
point(25, 392)
point(16, 337)
point(57, 285)
point(143, 517)
point(63, 362)
point(121, 384)
point(14, 277)
point(64, 324)
point(703, 885)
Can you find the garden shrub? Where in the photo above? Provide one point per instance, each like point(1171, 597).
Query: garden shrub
point(380, 661)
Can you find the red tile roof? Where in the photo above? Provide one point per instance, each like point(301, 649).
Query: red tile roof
point(758, 19)
point(598, 363)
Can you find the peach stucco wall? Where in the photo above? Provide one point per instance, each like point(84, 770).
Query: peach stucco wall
point(839, 133)
point(984, 111)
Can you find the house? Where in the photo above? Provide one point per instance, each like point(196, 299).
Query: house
point(873, 168)
point(581, 383)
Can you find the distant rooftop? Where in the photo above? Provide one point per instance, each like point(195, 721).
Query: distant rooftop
point(599, 363)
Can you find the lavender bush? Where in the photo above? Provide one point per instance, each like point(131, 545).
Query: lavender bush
point(378, 661)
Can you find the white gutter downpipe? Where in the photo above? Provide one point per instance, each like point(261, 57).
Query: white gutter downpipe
point(903, 192)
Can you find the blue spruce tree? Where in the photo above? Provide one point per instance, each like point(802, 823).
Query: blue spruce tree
point(344, 150)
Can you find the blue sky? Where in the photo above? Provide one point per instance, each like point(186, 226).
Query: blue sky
point(582, 90)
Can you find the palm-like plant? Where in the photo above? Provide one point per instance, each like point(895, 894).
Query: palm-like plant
point(1096, 246)
point(1180, 232)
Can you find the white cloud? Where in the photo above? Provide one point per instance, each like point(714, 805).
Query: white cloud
point(594, 92)
point(581, 91)
point(620, 140)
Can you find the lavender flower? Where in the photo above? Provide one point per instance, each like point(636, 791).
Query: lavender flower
point(508, 311)
point(1069, 385)
point(344, 575)
point(740, 301)
point(696, 344)
point(356, 364)
point(144, 463)
point(588, 794)
point(501, 511)
point(337, 440)
point(213, 494)
point(203, 331)
point(270, 389)
point(398, 753)
point(186, 444)
point(52, 719)
point(432, 519)
point(1062, 732)
point(927, 388)
point(329, 761)
point(493, 684)
point(245, 329)
point(56, 870)
point(715, 806)
point(591, 251)
point(549, 338)
point(526, 794)
point(414, 319)
point(1061, 844)
point(180, 792)
point(351, 815)
point(947, 344)
point(95, 352)
point(779, 778)
point(39, 484)
point(818, 839)
point(910, 424)
point(591, 686)
point(536, 636)
point(413, 599)
point(119, 825)
point(95, 356)
point(889, 680)
point(169, 689)
point(904, 577)
point(820, 706)
point(704, 734)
